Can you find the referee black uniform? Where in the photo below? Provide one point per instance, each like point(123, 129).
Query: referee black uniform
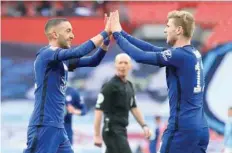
point(116, 99)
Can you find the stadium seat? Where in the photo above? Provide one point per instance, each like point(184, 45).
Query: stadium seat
point(222, 33)
point(149, 12)
point(188, 4)
point(208, 15)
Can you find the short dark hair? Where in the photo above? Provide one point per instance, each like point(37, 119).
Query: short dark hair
point(53, 22)
point(230, 108)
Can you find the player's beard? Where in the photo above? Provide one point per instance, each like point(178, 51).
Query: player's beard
point(62, 42)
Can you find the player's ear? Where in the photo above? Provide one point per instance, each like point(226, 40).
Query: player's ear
point(55, 34)
point(179, 30)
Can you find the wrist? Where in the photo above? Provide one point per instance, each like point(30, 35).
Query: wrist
point(97, 135)
point(144, 125)
point(104, 48)
point(106, 41)
point(104, 34)
point(116, 34)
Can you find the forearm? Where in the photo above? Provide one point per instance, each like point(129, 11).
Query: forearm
point(76, 52)
point(97, 122)
point(83, 49)
point(96, 58)
point(98, 39)
point(136, 53)
point(93, 60)
point(73, 110)
point(145, 46)
point(138, 116)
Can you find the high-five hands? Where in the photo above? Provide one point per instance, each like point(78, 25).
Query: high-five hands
point(113, 23)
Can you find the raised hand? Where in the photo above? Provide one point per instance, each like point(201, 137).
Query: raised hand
point(107, 24)
point(114, 22)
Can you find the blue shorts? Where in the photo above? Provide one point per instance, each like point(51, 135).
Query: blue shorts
point(47, 139)
point(185, 141)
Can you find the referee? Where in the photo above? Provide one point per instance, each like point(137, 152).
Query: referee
point(116, 99)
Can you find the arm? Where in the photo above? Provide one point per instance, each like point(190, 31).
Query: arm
point(164, 58)
point(73, 110)
point(145, 46)
point(59, 54)
point(90, 61)
point(103, 102)
point(138, 116)
point(135, 111)
point(97, 122)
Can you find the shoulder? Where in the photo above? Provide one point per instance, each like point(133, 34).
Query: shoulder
point(181, 53)
point(110, 85)
point(188, 51)
point(48, 50)
point(131, 84)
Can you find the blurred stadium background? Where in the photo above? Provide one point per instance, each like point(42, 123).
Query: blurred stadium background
point(22, 35)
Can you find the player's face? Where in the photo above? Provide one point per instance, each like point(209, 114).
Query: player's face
point(65, 35)
point(172, 32)
point(123, 65)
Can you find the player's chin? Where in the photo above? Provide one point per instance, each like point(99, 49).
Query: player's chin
point(68, 44)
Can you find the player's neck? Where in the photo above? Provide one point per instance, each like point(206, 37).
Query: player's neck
point(182, 42)
point(53, 44)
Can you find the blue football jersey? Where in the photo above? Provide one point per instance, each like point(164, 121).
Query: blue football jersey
point(185, 81)
point(50, 85)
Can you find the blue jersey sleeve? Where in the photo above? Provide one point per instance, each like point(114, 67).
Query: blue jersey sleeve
point(90, 61)
point(59, 54)
point(145, 46)
point(172, 57)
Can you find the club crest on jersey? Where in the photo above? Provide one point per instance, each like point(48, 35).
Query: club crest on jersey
point(167, 54)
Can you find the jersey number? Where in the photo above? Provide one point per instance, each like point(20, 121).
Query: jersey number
point(198, 69)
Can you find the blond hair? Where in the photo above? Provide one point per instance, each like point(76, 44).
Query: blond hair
point(185, 20)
